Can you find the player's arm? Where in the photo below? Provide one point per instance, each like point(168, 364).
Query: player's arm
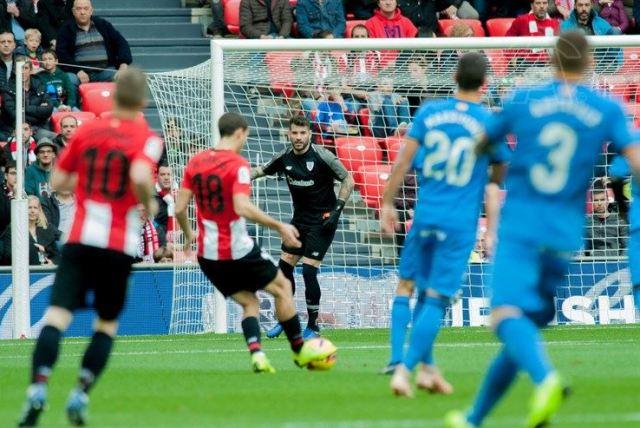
point(257, 172)
point(141, 176)
point(346, 186)
point(243, 206)
point(270, 168)
point(182, 204)
point(388, 214)
point(492, 203)
point(63, 181)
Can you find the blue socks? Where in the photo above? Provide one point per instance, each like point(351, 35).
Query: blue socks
point(400, 317)
point(424, 333)
point(523, 344)
point(500, 376)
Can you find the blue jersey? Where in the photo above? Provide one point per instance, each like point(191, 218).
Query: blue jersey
point(452, 178)
point(560, 128)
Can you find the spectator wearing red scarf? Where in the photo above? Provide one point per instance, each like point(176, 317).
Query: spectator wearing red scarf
point(149, 241)
point(29, 146)
point(165, 196)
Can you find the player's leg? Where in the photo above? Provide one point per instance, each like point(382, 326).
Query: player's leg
point(317, 243)
point(251, 330)
point(634, 264)
point(280, 289)
point(68, 294)
point(287, 265)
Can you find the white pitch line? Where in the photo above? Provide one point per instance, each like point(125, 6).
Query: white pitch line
point(240, 349)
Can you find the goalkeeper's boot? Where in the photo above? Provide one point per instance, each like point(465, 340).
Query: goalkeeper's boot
point(35, 404)
point(311, 352)
point(457, 419)
point(310, 333)
point(431, 380)
point(546, 400)
point(77, 407)
point(275, 331)
point(400, 384)
point(261, 363)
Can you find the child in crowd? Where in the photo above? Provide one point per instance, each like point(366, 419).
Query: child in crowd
point(57, 84)
point(32, 49)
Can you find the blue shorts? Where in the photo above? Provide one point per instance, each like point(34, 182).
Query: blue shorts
point(436, 259)
point(633, 251)
point(526, 275)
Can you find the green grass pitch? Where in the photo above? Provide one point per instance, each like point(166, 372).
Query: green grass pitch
point(204, 381)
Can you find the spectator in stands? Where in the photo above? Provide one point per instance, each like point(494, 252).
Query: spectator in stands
point(265, 19)
point(37, 177)
point(43, 249)
point(361, 9)
point(41, 15)
point(37, 106)
point(149, 239)
point(217, 28)
point(28, 143)
point(7, 49)
point(7, 194)
point(163, 254)
point(614, 13)
point(606, 232)
point(57, 84)
point(334, 115)
point(479, 252)
point(535, 23)
point(68, 127)
point(389, 22)
point(561, 9)
point(459, 9)
point(165, 196)
point(59, 209)
point(13, 14)
point(90, 47)
point(586, 19)
point(5, 17)
point(61, 11)
point(388, 111)
point(316, 16)
point(31, 49)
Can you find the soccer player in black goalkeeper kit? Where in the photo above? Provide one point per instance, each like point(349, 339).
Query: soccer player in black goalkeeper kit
point(310, 171)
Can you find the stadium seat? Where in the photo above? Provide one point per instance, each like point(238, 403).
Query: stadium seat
point(499, 62)
point(93, 86)
point(363, 121)
point(622, 91)
point(445, 25)
point(393, 146)
point(81, 117)
point(355, 152)
point(350, 25)
point(281, 74)
point(374, 178)
point(232, 16)
point(631, 61)
point(97, 101)
point(498, 27)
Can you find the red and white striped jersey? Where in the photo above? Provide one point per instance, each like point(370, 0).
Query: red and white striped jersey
point(214, 177)
point(101, 153)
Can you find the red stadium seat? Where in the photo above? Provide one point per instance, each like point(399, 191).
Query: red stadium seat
point(498, 27)
point(350, 25)
point(92, 86)
point(622, 91)
point(232, 16)
point(281, 74)
point(445, 26)
point(97, 101)
point(81, 117)
point(499, 62)
point(355, 152)
point(393, 146)
point(631, 61)
point(374, 179)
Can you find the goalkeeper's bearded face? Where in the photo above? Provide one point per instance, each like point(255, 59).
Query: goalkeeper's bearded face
point(300, 137)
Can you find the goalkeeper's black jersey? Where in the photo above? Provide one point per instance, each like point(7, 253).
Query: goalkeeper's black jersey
point(310, 177)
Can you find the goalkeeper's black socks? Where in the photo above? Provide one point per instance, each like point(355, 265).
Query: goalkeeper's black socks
point(45, 354)
point(251, 330)
point(287, 270)
point(293, 331)
point(312, 294)
point(95, 359)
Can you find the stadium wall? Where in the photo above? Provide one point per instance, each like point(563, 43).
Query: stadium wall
point(594, 292)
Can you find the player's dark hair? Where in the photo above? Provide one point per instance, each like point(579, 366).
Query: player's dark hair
point(471, 71)
point(50, 52)
point(299, 121)
point(230, 123)
point(10, 165)
point(571, 53)
point(131, 89)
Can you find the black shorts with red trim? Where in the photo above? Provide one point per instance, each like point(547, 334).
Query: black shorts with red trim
point(315, 241)
point(252, 272)
point(83, 269)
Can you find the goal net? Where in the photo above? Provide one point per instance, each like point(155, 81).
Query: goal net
point(360, 96)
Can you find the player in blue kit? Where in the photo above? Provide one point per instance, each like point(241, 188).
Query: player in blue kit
point(450, 193)
point(618, 170)
point(560, 128)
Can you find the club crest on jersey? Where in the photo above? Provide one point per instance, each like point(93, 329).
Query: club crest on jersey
point(310, 165)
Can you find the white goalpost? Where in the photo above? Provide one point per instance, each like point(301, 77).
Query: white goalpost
point(359, 94)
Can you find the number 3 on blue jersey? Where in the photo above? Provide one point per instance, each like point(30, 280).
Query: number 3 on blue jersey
point(452, 161)
point(561, 140)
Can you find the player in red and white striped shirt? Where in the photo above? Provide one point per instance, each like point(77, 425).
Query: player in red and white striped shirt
point(109, 164)
point(220, 181)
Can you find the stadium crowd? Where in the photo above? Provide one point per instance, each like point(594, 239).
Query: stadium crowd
point(67, 48)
